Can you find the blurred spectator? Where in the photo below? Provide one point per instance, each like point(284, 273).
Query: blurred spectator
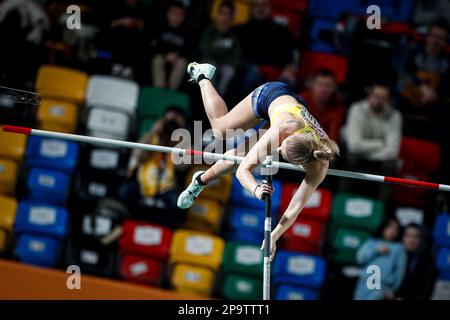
point(424, 82)
point(389, 256)
point(125, 36)
point(220, 46)
point(418, 280)
point(152, 174)
point(372, 136)
point(324, 102)
point(264, 44)
point(171, 45)
point(23, 25)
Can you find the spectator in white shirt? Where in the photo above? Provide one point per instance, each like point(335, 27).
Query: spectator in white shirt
point(372, 134)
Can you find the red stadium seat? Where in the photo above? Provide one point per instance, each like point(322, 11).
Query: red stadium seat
point(146, 239)
point(419, 160)
point(312, 62)
point(318, 207)
point(304, 236)
point(141, 270)
point(420, 156)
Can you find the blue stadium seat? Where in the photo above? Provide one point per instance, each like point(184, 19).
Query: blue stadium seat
point(52, 154)
point(48, 186)
point(286, 292)
point(248, 237)
point(37, 250)
point(441, 232)
point(250, 221)
point(333, 9)
point(41, 219)
point(443, 263)
point(243, 198)
point(299, 269)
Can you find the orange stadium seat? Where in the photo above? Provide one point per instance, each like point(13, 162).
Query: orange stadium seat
point(192, 279)
point(196, 248)
point(12, 145)
point(204, 215)
point(62, 83)
point(55, 115)
point(8, 176)
point(8, 209)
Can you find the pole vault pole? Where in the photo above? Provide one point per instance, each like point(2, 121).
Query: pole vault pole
point(219, 156)
point(267, 231)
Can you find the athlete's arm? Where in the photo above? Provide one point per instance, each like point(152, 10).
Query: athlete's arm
point(315, 173)
point(257, 154)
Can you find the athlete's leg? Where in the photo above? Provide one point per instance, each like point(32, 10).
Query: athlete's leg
point(240, 117)
point(201, 178)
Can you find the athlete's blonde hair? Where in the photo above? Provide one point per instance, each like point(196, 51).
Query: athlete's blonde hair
point(302, 148)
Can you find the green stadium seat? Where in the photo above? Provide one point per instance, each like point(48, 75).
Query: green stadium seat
point(345, 243)
point(236, 287)
point(153, 102)
point(242, 258)
point(145, 126)
point(357, 212)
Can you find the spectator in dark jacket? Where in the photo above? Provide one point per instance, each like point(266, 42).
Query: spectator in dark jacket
point(220, 46)
point(264, 43)
point(418, 280)
point(172, 47)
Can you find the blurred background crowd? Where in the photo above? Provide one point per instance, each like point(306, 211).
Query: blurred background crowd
point(382, 94)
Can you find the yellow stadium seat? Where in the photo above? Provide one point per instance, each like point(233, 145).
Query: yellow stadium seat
point(54, 115)
point(204, 215)
point(196, 248)
point(219, 189)
point(191, 279)
point(8, 176)
point(242, 11)
point(12, 145)
point(8, 208)
point(2, 240)
point(61, 83)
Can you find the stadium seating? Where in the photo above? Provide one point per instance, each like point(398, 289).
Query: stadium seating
point(196, 248)
point(107, 161)
point(8, 176)
point(311, 62)
point(102, 122)
point(145, 239)
point(61, 83)
point(113, 93)
point(334, 9)
point(57, 115)
point(8, 211)
point(318, 207)
point(298, 269)
point(407, 215)
point(41, 219)
point(153, 102)
point(143, 270)
point(238, 287)
point(304, 236)
point(441, 232)
point(37, 250)
point(54, 154)
point(48, 186)
point(242, 258)
point(287, 292)
point(243, 198)
point(192, 279)
point(246, 222)
point(346, 242)
point(205, 215)
point(443, 263)
point(12, 146)
point(357, 212)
